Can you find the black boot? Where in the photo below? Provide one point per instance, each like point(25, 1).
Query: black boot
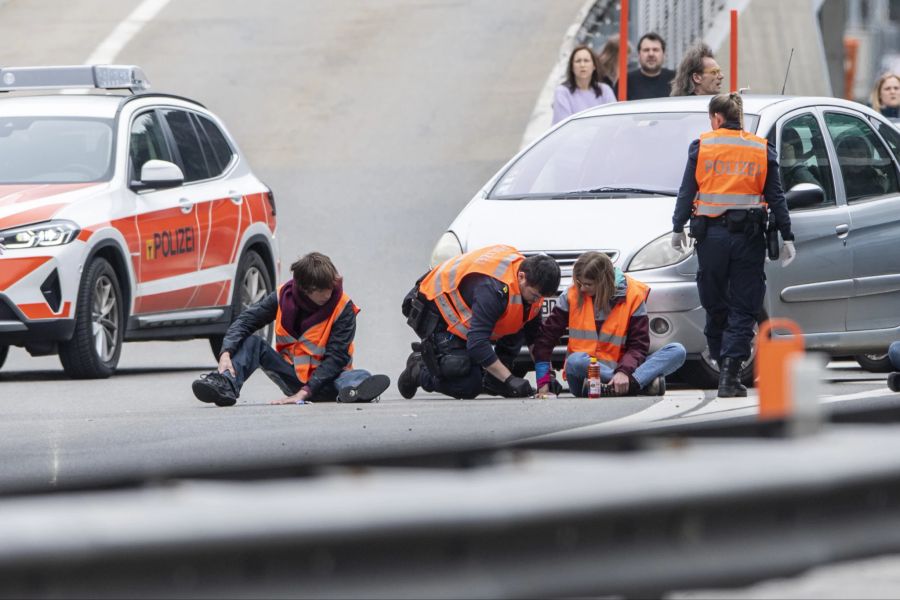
point(730, 379)
point(408, 382)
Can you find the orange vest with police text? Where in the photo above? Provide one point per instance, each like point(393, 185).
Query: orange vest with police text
point(731, 172)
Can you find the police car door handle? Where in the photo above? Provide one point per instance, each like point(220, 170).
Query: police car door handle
point(842, 230)
point(235, 197)
point(186, 205)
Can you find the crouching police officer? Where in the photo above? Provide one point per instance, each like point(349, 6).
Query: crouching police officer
point(730, 178)
point(463, 306)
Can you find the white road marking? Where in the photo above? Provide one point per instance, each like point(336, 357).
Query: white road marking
point(129, 27)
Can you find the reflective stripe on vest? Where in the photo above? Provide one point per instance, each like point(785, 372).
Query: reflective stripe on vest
point(731, 172)
point(308, 352)
point(499, 262)
point(607, 344)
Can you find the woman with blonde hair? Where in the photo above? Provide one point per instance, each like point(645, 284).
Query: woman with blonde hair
point(606, 314)
point(886, 95)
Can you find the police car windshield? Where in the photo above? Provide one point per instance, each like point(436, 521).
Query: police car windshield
point(607, 155)
point(55, 150)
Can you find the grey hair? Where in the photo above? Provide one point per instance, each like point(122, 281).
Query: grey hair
point(683, 83)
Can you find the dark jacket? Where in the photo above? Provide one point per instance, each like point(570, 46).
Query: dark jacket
point(637, 341)
point(772, 190)
point(337, 350)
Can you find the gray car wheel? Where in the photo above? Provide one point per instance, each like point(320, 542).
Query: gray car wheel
point(875, 363)
point(703, 373)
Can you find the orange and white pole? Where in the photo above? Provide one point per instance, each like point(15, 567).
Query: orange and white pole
point(734, 50)
point(623, 50)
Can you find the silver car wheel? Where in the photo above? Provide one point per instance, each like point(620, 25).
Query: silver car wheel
point(105, 318)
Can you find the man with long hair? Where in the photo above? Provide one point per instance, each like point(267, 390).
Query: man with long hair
point(698, 74)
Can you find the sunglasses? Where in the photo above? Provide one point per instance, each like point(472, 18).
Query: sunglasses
point(715, 71)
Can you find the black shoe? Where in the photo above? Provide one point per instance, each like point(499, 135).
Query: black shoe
point(214, 388)
point(893, 381)
point(367, 391)
point(657, 387)
point(408, 382)
point(492, 386)
point(730, 385)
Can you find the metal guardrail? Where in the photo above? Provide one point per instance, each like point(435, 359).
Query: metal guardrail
point(628, 513)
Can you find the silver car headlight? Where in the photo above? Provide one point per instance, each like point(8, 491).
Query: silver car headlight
point(659, 253)
point(39, 235)
point(447, 246)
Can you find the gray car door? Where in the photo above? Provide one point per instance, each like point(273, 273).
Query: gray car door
point(872, 188)
point(813, 290)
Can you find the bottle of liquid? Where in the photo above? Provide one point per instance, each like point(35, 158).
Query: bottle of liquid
point(593, 378)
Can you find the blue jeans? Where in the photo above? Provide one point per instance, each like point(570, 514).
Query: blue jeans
point(254, 353)
point(664, 361)
point(894, 354)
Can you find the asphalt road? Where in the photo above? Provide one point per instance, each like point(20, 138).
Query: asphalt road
point(374, 123)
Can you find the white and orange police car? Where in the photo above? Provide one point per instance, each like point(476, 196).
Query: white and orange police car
point(124, 215)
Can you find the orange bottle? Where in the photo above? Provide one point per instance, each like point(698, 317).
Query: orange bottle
point(593, 377)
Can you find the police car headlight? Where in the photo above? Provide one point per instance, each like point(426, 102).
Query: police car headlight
point(447, 247)
point(659, 253)
point(39, 235)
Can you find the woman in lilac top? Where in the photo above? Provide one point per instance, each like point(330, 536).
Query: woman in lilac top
point(582, 88)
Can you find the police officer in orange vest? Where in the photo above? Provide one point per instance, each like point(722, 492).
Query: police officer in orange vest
point(315, 323)
point(465, 306)
point(605, 313)
point(730, 181)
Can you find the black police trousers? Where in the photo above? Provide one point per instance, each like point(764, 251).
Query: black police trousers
point(732, 283)
point(470, 383)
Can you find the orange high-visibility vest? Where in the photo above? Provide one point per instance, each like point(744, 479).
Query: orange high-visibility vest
point(731, 172)
point(501, 263)
point(307, 353)
point(607, 345)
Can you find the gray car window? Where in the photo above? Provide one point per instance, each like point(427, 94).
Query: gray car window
point(147, 142)
point(607, 151)
point(890, 135)
point(803, 157)
point(866, 165)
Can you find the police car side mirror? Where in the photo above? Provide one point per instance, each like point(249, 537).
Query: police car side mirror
point(804, 195)
point(159, 174)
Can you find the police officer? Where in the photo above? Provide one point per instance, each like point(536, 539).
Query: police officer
point(464, 306)
point(730, 178)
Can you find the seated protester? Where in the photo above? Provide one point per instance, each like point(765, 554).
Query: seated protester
point(464, 306)
point(893, 380)
point(315, 322)
point(793, 168)
point(605, 312)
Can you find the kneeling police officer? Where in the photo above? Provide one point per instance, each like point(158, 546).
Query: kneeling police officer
point(730, 179)
point(461, 308)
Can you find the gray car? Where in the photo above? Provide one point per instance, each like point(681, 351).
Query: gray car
point(606, 179)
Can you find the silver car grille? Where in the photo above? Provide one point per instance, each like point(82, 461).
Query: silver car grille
point(566, 258)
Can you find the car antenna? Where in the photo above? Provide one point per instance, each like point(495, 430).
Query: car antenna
point(786, 71)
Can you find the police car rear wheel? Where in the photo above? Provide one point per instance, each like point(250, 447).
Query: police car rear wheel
point(93, 352)
point(4, 350)
point(253, 284)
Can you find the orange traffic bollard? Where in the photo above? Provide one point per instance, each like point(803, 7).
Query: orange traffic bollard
point(773, 363)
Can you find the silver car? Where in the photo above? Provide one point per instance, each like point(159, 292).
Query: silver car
point(606, 179)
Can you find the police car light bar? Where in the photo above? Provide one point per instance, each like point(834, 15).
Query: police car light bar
point(104, 77)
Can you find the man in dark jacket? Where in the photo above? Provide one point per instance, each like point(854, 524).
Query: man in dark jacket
point(315, 323)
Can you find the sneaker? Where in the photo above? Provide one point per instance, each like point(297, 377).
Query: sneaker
point(214, 388)
point(368, 391)
point(893, 381)
point(657, 387)
point(408, 382)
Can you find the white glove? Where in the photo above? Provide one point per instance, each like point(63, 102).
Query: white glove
point(788, 253)
point(679, 241)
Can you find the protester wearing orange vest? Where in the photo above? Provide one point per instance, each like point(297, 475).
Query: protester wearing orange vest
point(315, 323)
point(605, 313)
point(465, 306)
point(730, 181)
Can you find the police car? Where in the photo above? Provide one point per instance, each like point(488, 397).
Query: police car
point(124, 215)
point(606, 179)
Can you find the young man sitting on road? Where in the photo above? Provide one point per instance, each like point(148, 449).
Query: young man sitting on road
point(315, 322)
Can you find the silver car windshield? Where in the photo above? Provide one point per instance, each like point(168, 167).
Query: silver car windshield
point(55, 150)
point(607, 155)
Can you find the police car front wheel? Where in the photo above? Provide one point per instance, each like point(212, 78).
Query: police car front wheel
point(4, 350)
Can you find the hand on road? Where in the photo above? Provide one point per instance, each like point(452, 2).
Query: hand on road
point(679, 241)
point(543, 392)
point(301, 397)
point(620, 383)
point(225, 364)
point(788, 253)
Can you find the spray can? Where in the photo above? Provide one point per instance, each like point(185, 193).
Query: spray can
point(593, 377)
